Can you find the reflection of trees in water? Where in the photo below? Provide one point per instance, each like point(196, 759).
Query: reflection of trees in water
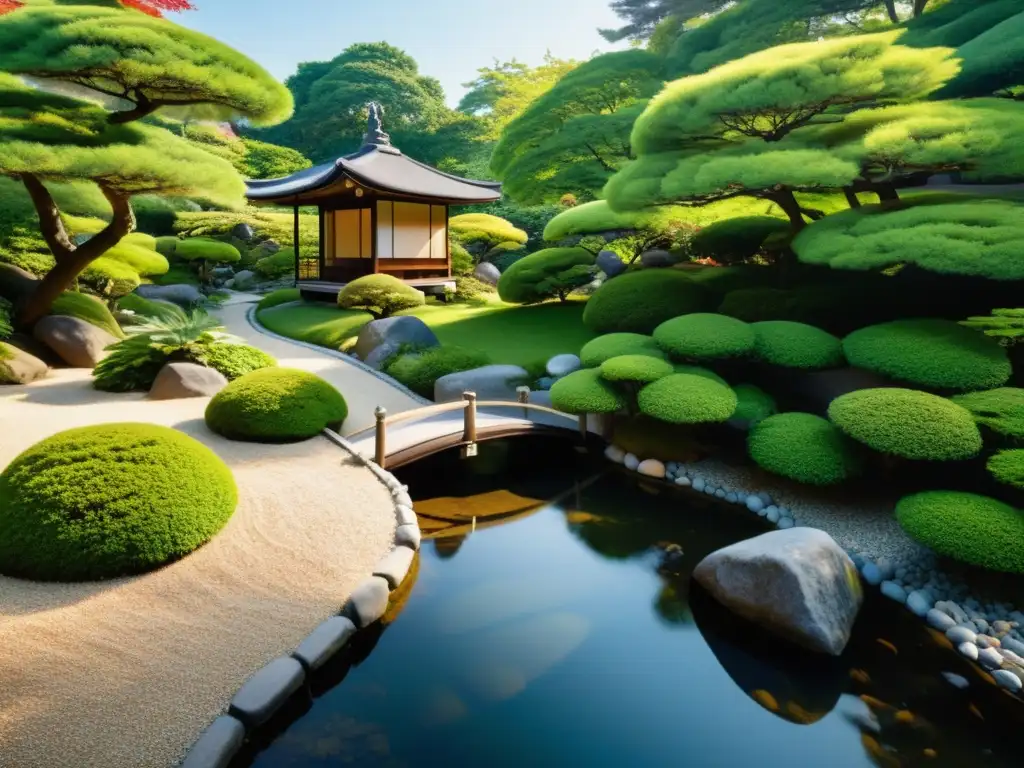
point(447, 546)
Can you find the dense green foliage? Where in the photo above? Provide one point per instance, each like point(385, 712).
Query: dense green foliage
point(684, 398)
point(732, 241)
point(964, 526)
point(380, 295)
point(277, 264)
point(697, 370)
point(110, 500)
point(603, 348)
point(232, 360)
point(585, 391)
point(87, 308)
point(638, 302)
point(484, 229)
point(635, 368)
point(6, 312)
point(805, 448)
point(796, 345)
point(275, 405)
point(551, 273)
point(1001, 410)
point(420, 370)
point(208, 250)
point(148, 309)
point(278, 297)
point(705, 336)
point(993, 61)
point(1005, 324)
point(1008, 467)
point(907, 423)
point(753, 404)
point(938, 354)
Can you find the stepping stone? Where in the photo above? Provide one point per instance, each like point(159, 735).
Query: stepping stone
point(264, 693)
point(217, 745)
point(324, 641)
point(395, 565)
point(368, 602)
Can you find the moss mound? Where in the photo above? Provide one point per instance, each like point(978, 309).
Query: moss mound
point(87, 308)
point(167, 245)
point(275, 405)
point(420, 370)
point(705, 336)
point(637, 368)
point(584, 391)
point(938, 354)
point(1001, 409)
point(206, 249)
point(753, 404)
point(233, 360)
point(380, 295)
point(805, 448)
point(907, 423)
point(638, 302)
point(109, 500)
point(796, 345)
point(684, 398)
point(1008, 467)
point(597, 351)
point(964, 526)
point(278, 297)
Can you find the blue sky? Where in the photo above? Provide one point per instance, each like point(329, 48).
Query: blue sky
point(449, 38)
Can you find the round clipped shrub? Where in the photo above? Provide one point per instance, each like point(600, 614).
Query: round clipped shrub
point(803, 447)
point(796, 345)
point(1008, 467)
point(145, 261)
point(738, 239)
point(110, 500)
point(485, 228)
point(638, 302)
point(233, 360)
point(420, 370)
point(705, 336)
point(1000, 409)
point(635, 368)
point(697, 370)
point(584, 391)
point(380, 295)
point(206, 249)
point(938, 354)
point(967, 527)
point(110, 277)
point(596, 351)
point(551, 273)
point(275, 405)
point(167, 245)
point(753, 404)
point(683, 398)
point(907, 423)
point(276, 264)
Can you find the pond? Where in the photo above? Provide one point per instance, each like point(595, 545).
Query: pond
point(562, 627)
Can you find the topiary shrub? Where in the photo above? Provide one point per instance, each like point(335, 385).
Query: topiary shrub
point(596, 351)
point(705, 336)
point(110, 500)
point(547, 274)
point(584, 391)
point(805, 448)
point(484, 230)
point(684, 398)
point(149, 309)
point(232, 360)
point(967, 527)
point(796, 345)
point(1001, 410)
point(420, 370)
point(380, 295)
point(109, 277)
point(87, 308)
point(278, 297)
point(277, 264)
point(638, 302)
point(145, 261)
point(732, 241)
point(907, 423)
point(938, 354)
point(640, 369)
point(753, 404)
point(1008, 467)
point(275, 405)
point(167, 245)
point(206, 252)
point(462, 260)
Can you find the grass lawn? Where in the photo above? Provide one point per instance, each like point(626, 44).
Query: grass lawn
point(507, 333)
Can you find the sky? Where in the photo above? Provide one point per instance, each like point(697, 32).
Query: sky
point(450, 39)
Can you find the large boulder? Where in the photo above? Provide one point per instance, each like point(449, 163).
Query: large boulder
point(178, 380)
point(610, 263)
point(797, 583)
point(382, 354)
point(243, 280)
point(19, 367)
point(562, 365)
point(223, 272)
point(396, 331)
point(491, 382)
point(182, 294)
point(79, 344)
point(16, 283)
point(486, 272)
point(243, 231)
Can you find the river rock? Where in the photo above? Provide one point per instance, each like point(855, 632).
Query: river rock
point(614, 453)
point(920, 602)
point(797, 583)
point(1008, 680)
point(631, 462)
point(610, 263)
point(958, 635)
point(990, 658)
point(486, 272)
point(657, 258)
point(957, 681)
point(181, 294)
point(491, 382)
point(754, 503)
point(179, 380)
point(19, 367)
point(268, 248)
point(562, 365)
point(940, 621)
point(1013, 645)
point(651, 468)
point(894, 591)
point(244, 280)
point(79, 344)
point(16, 283)
point(968, 650)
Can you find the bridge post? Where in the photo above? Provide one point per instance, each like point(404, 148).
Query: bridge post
point(523, 396)
point(469, 418)
point(379, 450)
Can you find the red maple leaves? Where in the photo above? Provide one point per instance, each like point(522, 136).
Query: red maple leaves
point(151, 7)
point(6, 6)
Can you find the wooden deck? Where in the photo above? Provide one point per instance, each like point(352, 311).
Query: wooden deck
point(327, 291)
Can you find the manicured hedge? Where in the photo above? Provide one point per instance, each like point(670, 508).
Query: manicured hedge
point(380, 295)
point(1008, 467)
point(420, 370)
point(596, 351)
point(278, 297)
point(584, 391)
point(796, 345)
point(635, 368)
point(275, 405)
point(167, 245)
point(110, 277)
point(104, 501)
point(1001, 409)
point(705, 336)
point(967, 527)
point(638, 302)
point(937, 354)
point(805, 448)
point(684, 398)
point(754, 404)
point(233, 360)
point(907, 423)
point(87, 308)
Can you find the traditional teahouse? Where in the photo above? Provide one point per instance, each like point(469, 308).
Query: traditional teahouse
point(380, 212)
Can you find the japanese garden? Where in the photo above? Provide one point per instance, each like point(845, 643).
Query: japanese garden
point(663, 404)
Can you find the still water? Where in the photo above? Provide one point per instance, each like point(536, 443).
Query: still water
point(562, 628)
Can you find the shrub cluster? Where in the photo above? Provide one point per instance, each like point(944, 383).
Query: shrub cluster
point(380, 295)
point(796, 345)
point(753, 404)
point(232, 360)
point(705, 336)
point(1001, 410)
point(597, 351)
point(635, 368)
point(585, 391)
point(805, 448)
point(1008, 467)
point(420, 370)
point(547, 274)
point(684, 398)
point(735, 240)
point(638, 302)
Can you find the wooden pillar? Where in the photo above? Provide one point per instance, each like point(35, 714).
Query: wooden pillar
point(295, 241)
point(380, 444)
point(469, 429)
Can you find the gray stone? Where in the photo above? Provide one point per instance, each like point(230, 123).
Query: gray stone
point(631, 462)
point(786, 523)
point(562, 365)
point(490, 382)
point(397, 330)
point(16, 283)
point(797, 583)
point(610, 263)
point(772, 513)
point(872, 574)
point(268, 247)
point(382, 354)
point(486, 272)
point(394, 567)
point(264, 693)
point(402, 497)
point(698, 484)
point(79, 344)
point(178, 380)
point(544, 383)
point(244, 279)
point(920, 602)
point(990, 658)
point(656, 259)
point(217, 745)
point(324, 641)
point(408, 535)
point(894, 591)
point(368, 602)
point(19, 367)
point(957, 681)
point(968, 650)
point(651, 468)
point(720, 494)
point(939, 620)
point(224, 272)
point(182, 294)
point(754, 503)
point(952, 609)
point(614, 454)
point(1008, 680)
point(405, 515)
point(683, 480)
point(1013, 645)
point(243, 232)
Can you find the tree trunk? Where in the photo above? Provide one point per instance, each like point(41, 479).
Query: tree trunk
point(851, 197)
point(919, 6)
point(786, 200)
point(890, 8)
point(887, 195)
point(71, 259)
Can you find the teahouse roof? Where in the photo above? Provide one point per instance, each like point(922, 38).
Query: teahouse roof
point(380, 168)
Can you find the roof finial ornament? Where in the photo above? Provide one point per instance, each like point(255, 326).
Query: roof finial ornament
point(375, 135)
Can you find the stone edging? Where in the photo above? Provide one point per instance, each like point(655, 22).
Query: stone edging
point(255, 323)
point(265, 692)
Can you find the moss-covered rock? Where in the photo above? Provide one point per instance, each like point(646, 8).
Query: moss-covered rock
point(967, 527)
point(584, 391)
point(907, 423)
point(1008, 467)
point(684, 398)
point(705, 336)
point(1000, 409)
point(796, 345)
point(635, 368)
point(597, 351)
point(87, 308)
point(638, 302)
point(109, 500)
point(805, 448)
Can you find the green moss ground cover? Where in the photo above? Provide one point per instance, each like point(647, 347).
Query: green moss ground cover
point(596, 351)
point(89, 309)
point(753, 404)
point(420, 370)
point(705, 336)
point(796, 345)
point(635, 368)
point(684, 398)
point(1000, 409)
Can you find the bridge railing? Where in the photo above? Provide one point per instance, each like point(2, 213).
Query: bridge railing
point(468, 405)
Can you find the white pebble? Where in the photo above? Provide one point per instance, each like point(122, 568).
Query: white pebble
point(970, 650)
point(631, 462)
point(614, 453)
point(1008, 680)
point(940, 621)
point(960, 635)
point(957, 681)
point(683, 480)
point(754, 503)
point(698, 484)
point(990, 658)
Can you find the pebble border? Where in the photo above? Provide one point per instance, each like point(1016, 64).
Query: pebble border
point(996, 645)
point(266, 691)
